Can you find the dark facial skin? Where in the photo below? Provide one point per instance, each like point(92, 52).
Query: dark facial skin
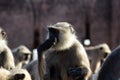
point(19, 76)
point(53, 36)
point(54, 33)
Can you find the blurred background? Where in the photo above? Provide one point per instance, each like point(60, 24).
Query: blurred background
point(25, 21)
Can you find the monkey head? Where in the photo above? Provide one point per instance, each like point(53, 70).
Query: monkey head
point(103, 50)
point(63, 35)
point(25, 52)
point(60, 36)
point(22, 53)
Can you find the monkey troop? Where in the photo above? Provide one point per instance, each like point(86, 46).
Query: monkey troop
point(62, 56)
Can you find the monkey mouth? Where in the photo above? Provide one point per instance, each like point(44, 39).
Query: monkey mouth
point(52, 39)
point(55, 41)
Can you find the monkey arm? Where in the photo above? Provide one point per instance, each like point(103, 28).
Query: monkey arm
point(77, 73)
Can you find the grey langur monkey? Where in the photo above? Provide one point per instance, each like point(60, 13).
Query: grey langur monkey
point(6, 56)
point(61, 56)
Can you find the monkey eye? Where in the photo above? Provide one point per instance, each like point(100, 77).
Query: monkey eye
point(3, 34)
point(101, 48)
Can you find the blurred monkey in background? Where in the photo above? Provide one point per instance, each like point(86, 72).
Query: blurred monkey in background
point(22, 55)
point(97, 55)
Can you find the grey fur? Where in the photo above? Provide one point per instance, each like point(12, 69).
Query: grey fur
point(32, 68)
point(66, 53)
point(22, 55)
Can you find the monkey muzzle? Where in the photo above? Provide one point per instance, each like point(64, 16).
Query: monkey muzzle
point(53, 34)
point(51, 41)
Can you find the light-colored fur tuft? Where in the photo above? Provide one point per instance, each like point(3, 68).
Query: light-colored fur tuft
point(65, 42)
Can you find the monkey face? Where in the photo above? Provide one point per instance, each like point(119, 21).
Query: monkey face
point(104, 51)
point(24, 57)
point(53, 33)
point(64, 34)
point(3, 34)
point(22, 53)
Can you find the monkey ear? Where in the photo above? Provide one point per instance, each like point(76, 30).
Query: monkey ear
point(72, 30)
point(19, 76)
